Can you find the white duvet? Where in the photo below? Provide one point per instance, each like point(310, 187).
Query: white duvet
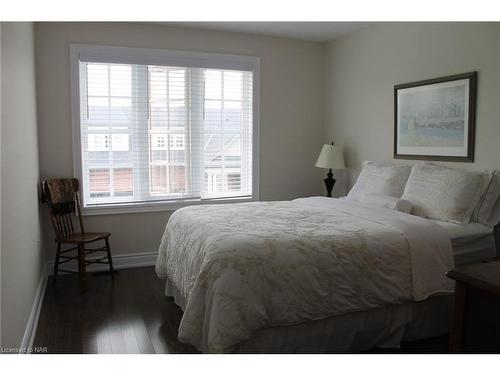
point(245, 267)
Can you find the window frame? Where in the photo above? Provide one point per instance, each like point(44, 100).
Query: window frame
point(127, 55)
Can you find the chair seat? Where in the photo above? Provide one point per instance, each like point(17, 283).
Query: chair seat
point(84, 237)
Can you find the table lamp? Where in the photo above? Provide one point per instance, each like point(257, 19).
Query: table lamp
point(330, 157)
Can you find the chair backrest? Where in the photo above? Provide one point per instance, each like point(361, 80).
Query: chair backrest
point(62, 198)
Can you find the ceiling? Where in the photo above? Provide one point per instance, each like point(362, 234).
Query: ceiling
point(311, 31)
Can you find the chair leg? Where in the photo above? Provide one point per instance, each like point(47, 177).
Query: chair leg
point(110, 260)
point(81, 262)
point(56, 262)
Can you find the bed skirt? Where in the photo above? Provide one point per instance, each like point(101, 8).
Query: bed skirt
point(350, 333)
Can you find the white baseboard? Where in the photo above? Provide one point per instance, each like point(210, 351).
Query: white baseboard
point(30, 331)
point(119, 262)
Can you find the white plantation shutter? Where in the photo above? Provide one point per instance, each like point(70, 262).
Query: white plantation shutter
point(163, 132)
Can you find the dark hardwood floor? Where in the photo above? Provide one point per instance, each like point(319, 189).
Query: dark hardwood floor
point(128, 313)
point(123, 313)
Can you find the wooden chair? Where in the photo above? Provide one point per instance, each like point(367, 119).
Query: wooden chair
point(61, 195)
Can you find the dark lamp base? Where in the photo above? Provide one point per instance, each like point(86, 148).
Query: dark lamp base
point(329, 182)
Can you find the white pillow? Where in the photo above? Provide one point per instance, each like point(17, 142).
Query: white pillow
point(380, 179)
point(487, 211)
point(386, 201)
point(442, 193)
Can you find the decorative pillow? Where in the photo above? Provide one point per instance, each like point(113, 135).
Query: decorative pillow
point(487, 211)
point(380, 179)
point(386, 201)
point(442, 193)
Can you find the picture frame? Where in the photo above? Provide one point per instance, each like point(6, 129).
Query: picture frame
point(434, 119)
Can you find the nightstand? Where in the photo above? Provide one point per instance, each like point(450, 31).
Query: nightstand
point(476, 323)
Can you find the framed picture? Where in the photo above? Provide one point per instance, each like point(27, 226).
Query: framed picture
point(435, 119)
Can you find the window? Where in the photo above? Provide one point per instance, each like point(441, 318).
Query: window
point(164, 126)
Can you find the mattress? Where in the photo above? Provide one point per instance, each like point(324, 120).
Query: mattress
point(471, 242)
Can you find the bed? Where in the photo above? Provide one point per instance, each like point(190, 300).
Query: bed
point(471, 243)
point(312, 275)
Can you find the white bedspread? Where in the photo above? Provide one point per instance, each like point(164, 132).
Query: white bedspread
point(244, 267)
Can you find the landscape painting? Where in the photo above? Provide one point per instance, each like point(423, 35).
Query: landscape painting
point(434, 119)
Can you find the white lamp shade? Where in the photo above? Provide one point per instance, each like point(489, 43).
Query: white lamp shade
point(331, 157)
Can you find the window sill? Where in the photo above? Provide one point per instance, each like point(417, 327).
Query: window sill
point(128, 208)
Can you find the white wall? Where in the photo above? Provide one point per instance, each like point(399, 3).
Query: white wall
point(21, 257)
point(291, 111)
point(362, 68)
